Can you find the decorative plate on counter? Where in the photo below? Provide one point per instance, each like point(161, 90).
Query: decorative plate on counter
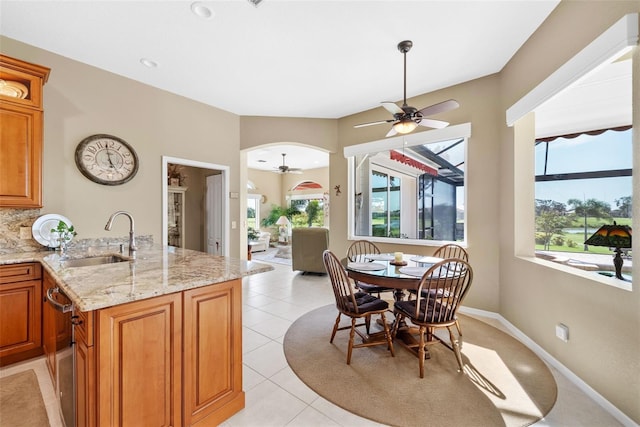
point(41, 229)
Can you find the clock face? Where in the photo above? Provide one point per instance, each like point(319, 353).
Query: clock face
point(106, 159)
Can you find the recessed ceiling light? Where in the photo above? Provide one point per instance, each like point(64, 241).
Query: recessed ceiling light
point(148, 63)
point(201, 10)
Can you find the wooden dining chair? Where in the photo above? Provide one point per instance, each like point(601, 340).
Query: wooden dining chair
point(356, 305)
point(451, 250)
point(440, 293)
point(356, 253)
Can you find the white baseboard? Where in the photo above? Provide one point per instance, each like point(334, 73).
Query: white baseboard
point(542, 353)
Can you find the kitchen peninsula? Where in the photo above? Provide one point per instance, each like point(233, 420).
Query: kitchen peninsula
point(158, 338)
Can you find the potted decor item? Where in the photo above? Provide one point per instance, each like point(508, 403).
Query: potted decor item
point(62, 235)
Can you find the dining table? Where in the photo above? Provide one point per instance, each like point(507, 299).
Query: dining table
point(383, 270)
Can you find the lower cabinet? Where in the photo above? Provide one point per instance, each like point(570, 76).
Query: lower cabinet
point(172, 360)
point(20, 312)
point(212, 337)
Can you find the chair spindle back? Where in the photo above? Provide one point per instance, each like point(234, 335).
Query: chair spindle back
point(359, 249)
point(342, 289)
point(442, 289)
point(451, 250)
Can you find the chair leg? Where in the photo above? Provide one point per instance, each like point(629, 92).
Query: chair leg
point(387, 334)
point(421, 350)
point(352, 334)
point(459, 332)
point(396, 324)
point(335, 328)
point(367, 323)
point(455, 344)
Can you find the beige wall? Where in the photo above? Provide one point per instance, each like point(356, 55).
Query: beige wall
point(604, 321)
point(478, 106)
point(275, 187)
point(80, 100)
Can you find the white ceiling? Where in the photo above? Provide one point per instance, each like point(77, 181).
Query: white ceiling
point(303, 58)
point(297, 156)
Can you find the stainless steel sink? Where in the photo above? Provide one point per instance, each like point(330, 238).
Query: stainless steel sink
point(95, 260)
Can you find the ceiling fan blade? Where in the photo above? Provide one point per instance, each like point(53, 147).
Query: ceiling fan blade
point(433, 123)
point(361, 125)
point(392, 107)
point(441, 107)
point(391, 132)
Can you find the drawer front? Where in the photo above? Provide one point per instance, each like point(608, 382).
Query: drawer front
point(84, 327)
point(20, 272)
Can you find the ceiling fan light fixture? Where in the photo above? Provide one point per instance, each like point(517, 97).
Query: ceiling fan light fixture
point(405, 126)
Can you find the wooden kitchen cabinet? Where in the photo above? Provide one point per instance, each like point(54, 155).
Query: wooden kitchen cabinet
point(171, 360)
point(139, 363)
point(212, 353)
point(21, 132)
point(20, 312)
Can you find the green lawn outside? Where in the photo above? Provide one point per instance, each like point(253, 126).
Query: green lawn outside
point(578, 237)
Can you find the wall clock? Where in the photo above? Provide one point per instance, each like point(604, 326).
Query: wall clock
point(106, 159)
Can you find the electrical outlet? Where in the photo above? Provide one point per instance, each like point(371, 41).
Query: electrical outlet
point(25, 233)
point(562, 332)
point(234, 225)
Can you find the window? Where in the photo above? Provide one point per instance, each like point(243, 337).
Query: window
point(311, 208)
point(582, 182)
point(410, 188)
point(253, 211)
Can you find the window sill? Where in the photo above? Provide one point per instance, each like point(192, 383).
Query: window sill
point(586, 274)
point(408, 242)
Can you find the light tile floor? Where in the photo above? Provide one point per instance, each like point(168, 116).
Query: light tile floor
point(274, 394)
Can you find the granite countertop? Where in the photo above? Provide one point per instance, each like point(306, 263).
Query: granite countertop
point(156, 271)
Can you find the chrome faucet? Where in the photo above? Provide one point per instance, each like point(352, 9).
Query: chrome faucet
point(132, 237)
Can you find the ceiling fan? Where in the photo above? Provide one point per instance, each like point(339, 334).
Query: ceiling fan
point(286, 169)
point(407, 118)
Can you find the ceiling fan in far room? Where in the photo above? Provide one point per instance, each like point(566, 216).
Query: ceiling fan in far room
point(407, 118)
point(286, 169)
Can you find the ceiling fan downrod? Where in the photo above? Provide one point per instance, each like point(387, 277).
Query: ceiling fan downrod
point(404, 47)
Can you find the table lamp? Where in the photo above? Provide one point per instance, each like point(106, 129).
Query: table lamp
point(613, 236)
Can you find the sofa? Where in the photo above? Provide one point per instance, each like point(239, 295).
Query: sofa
point(262, 242)
point(307, 245)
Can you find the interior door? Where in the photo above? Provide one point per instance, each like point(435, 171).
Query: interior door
point(215, 214)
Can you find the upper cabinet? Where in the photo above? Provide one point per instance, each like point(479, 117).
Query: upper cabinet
point(21, 132)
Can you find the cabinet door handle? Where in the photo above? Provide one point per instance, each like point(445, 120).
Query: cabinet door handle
point(65, 308)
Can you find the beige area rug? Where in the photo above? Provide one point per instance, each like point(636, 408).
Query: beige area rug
point(504, 384)
point(21, 402)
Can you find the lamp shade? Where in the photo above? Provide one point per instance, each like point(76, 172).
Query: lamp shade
point(405, 126)
point(283, 220)
point(612, 236)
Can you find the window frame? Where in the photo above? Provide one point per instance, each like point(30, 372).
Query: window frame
point(462, 130)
